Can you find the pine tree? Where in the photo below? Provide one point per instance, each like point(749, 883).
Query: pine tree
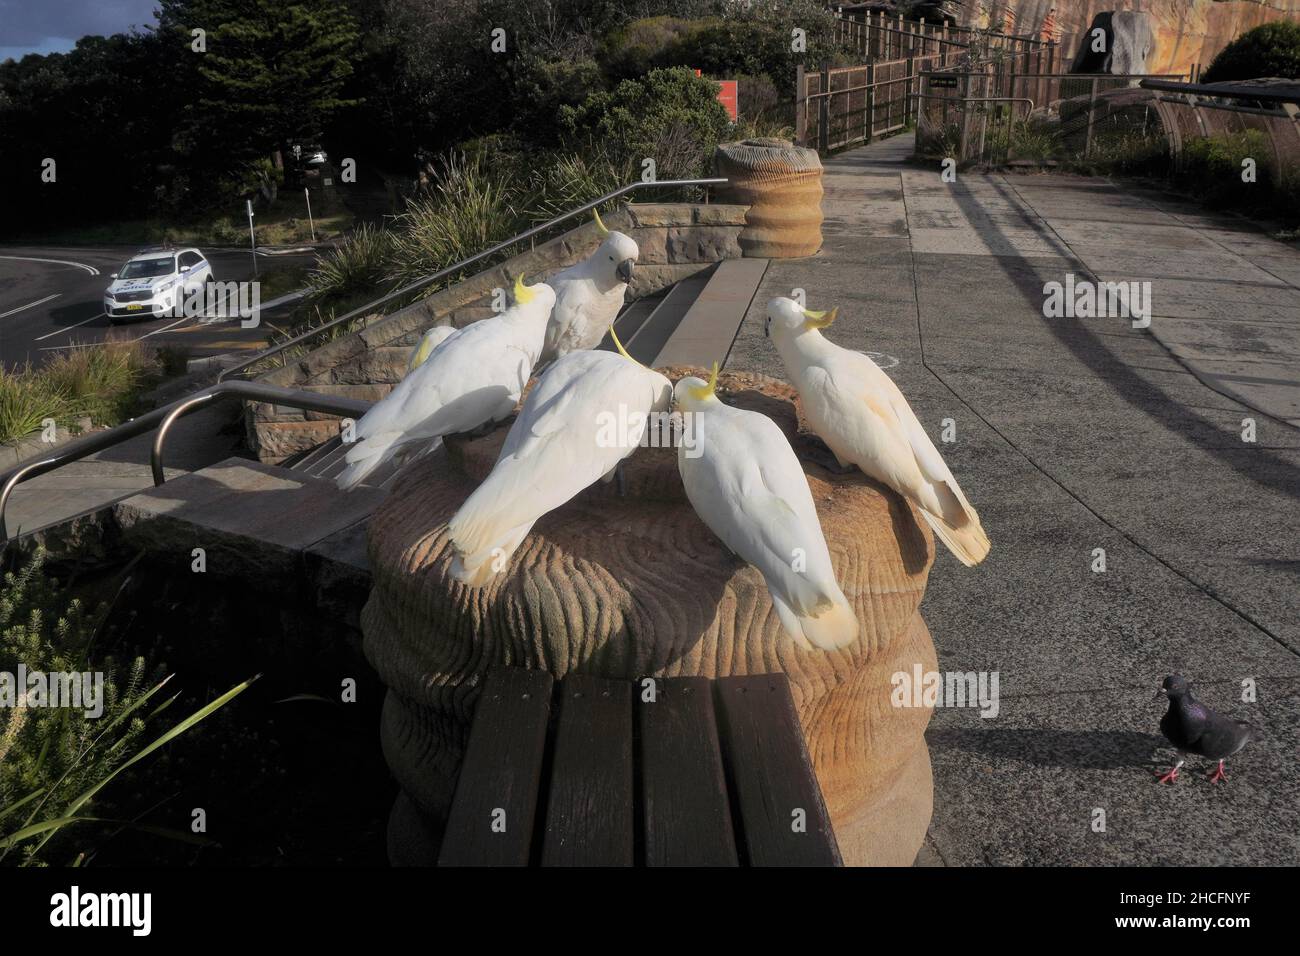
point(272, 71)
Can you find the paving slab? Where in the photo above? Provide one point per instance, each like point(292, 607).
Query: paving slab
point(1072, 435)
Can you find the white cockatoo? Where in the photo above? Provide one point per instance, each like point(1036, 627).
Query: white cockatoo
point(586, 414)
point(474, 377)
point(861, 415)
point(745, 483)
point(431, 340)
point(589, 295)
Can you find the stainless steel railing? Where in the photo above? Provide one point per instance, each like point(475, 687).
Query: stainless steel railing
point(456, 267)
point(162, 419)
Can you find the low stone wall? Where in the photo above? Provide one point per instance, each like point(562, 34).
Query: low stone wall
point(676, 240)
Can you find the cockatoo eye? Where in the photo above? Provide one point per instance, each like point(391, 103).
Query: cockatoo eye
point(611, 258)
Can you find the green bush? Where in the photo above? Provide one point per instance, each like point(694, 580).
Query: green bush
point(671, 115)
point(542, 86)
point(645, 45)
point(1269, 50)
point(1212, 169)
point(55, 761)
point(757, 41)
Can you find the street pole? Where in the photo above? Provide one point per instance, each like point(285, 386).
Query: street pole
point(307, 193)
point(252, 237)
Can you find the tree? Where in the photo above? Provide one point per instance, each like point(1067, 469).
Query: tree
point(272, 72)
point(1269, 50)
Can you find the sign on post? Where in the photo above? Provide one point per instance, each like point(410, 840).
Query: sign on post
point(729, 97)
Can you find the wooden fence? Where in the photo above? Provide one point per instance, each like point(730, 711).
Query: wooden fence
point(839, 106)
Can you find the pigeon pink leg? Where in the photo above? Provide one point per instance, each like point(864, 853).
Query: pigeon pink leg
point(1218, 774)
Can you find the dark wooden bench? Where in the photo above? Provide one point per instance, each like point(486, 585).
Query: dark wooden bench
point(682, 772)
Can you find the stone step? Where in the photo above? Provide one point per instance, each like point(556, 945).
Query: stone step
point(252, 518)
point(651, 335)
point(706, 331)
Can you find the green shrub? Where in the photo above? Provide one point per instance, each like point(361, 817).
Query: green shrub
point(55, 761)
point(26, 400)
point(469, 205)
point(1212, 169)
point(1269, 50)
point(100, 381)
point(671, 115)
point(542, 86)
point(645, 45)
point(755, 41)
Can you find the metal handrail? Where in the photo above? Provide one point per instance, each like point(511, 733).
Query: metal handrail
point(477, 257)
point(162, 418)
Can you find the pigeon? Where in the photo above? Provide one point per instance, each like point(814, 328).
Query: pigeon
point(1194, 728)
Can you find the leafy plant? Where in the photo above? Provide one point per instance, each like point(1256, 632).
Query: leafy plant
point(55, 761)
point(671, 115)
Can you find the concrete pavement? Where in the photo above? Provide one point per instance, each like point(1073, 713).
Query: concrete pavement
point(1077, 434)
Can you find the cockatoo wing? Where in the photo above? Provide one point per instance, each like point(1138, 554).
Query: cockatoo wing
point(553, 452)
point(891, 444)
point(460, 386)
point(750, 489)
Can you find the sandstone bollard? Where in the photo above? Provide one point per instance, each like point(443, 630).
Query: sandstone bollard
point(782, 185)
point(634, 586)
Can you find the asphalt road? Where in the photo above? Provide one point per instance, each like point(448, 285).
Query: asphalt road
point(52, 298)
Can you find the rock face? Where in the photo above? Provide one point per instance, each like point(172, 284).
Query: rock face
point(1187, 32)
point(1128, 45)
point(637, 586)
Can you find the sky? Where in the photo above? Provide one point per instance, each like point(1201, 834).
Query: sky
point(54, 26)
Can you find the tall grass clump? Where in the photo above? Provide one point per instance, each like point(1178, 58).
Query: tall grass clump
point(359, 263)
point(26, 402)
point(100, 382)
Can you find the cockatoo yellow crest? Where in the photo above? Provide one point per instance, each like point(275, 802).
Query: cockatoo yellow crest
point(523, 294)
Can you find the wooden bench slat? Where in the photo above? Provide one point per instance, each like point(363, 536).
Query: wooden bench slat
point(502, 770)
point(685, 812)
point(589, 810)
point(771, 774)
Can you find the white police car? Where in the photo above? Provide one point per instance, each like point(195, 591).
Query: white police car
point(155, 282)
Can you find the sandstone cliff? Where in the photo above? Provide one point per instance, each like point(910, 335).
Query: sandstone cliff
point(1187, 31)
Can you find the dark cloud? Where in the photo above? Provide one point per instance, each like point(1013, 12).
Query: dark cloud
point(45, 24)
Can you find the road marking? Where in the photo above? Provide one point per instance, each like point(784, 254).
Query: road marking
point(163, 329)
point(42, 338)
point(30, 305)
point(58, 262)
point(86, 345)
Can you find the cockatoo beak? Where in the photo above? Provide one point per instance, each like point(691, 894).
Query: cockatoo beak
point(625, 268)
